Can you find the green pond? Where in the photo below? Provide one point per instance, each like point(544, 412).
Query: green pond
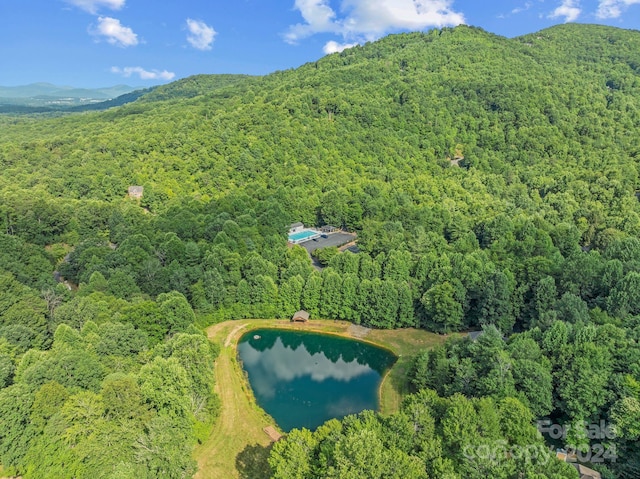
point(304, 379)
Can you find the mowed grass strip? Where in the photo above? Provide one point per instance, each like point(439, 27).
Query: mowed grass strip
point(238, 446)
point(239, 427)
point(406, 344)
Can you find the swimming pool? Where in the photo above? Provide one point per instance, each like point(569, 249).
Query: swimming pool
point(304, 235)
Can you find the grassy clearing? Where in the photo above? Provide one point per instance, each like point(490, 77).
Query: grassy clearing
point(237, 441)
point(238, 447)
point(406, 344)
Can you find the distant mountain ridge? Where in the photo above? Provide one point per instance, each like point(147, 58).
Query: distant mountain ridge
point(42, 89)
point(48, 98)
point(45, 98)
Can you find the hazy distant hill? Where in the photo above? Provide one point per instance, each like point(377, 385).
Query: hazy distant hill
point(48, 98)
point(47, 89)
point(72, 99)
point(48, 95)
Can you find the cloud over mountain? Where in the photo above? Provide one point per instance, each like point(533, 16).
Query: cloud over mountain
point(334, 47)
point(569, 9)
point(201, 35)
point(370, 19)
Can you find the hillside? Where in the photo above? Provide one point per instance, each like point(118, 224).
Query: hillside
point(405, 99)
point(492, 183)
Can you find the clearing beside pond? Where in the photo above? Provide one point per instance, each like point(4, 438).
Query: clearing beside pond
point(238, 446)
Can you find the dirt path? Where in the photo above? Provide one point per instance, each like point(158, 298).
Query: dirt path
point(227, 342)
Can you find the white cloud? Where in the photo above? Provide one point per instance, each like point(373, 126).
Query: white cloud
point(92, 6)
point(201, 35)
point(370, 19)
point(613, 8)
point(380, 16)
point(569, 9)
point(318, 17)
point(524, 8)
point(115, 32)
point(516, 11)
point(334, 47)
point(143, 74)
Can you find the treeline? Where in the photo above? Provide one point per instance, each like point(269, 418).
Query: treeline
point(430, 436)
point(95, 386)
point(231, 260)
point(576, 374)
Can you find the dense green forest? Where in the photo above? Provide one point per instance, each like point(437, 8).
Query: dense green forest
point(429, 437)
point(492, 183)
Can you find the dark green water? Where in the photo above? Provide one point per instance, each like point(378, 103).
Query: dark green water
point(304, 379)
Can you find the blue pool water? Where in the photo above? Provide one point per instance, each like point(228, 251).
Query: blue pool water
point(302, 235)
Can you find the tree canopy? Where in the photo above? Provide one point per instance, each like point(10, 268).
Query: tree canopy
point(492, 183)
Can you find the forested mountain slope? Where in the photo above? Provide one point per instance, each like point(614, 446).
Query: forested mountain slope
point(402, 103)
point(491, 181)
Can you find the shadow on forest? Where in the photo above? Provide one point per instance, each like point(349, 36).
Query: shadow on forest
point(252, 463)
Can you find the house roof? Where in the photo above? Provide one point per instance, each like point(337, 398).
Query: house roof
point(586, 473)
point(301, 314)
point(296, 225)
point(473, 335)
point(136, 191)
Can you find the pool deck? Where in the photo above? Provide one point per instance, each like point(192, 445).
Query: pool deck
point(332, 239)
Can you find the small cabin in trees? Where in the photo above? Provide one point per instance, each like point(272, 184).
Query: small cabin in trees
point(583, 471)
point(136, 192)
point(300, 317)
point(328, 229)
point(586, 473)
point(474, 335)
point(296, 228)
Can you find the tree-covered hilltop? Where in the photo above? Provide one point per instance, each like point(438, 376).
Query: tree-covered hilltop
point(491, 182)
point(193, 86)
point(389, 108)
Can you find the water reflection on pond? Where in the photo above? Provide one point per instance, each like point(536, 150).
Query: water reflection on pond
point(303, 379)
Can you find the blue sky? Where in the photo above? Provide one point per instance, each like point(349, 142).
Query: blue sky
point(96, 43)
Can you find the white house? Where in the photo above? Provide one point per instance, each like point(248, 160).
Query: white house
point(296, 227)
